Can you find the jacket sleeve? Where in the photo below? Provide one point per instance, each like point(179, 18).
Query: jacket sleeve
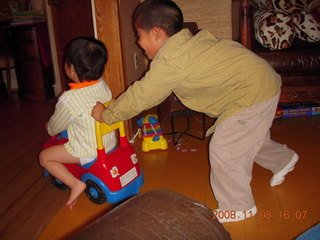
point(157, 84)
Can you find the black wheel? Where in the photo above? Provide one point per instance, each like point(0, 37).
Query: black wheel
point(95, 193)
point(58, 183)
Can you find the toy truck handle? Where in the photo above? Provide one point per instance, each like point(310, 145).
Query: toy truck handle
point(104, 128)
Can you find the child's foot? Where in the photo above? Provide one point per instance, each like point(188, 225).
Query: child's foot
point(278, 178)
point(75, 193)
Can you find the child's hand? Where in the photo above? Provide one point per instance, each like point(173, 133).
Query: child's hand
point(97, 111)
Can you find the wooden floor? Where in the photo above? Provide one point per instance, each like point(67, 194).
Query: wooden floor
point(32, 208)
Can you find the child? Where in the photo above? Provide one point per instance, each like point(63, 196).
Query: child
point(84, 65)
point(219, 78)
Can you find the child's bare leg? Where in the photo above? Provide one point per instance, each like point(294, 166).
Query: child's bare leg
point(52, 160)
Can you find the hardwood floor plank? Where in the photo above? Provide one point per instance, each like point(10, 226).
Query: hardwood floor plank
point(81, 215)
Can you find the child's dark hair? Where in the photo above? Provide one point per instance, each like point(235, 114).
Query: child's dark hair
point(88, 57)
point(164, 14)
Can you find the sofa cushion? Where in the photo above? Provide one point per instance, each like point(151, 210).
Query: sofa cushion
point(290, 6)
point(274, 30)
point(262, 4)
point(306, 27)
point(278, 22)
point(281, 5)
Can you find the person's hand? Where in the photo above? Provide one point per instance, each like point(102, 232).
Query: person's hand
point(97, 111)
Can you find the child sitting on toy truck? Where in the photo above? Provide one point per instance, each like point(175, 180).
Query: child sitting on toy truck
point(84, 65)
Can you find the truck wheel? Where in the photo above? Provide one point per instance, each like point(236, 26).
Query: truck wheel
point(95, 193)
point(58, 183)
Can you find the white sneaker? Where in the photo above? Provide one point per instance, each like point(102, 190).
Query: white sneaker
point(232, 215)
point(278, 178)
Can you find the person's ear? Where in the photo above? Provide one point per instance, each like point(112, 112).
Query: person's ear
point(73, 71)
point(158, 33)
point(72, 68)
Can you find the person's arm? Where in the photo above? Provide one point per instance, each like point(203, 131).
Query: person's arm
point(150, 91)
point(61, 118)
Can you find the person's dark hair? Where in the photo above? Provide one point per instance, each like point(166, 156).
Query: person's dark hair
point(88, 57)
point(164, 14)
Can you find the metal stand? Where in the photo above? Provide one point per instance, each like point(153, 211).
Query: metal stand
point(186, 113)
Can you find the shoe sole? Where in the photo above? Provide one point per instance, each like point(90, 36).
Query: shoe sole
point(279, 177)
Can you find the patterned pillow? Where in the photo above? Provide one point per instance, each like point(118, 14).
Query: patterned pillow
point(307, 28)
point(290, 6)
point(274, 30)
point(287, 6)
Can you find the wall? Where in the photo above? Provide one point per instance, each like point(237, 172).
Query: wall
point(212, 15)
point(134, 59)
point(39, 5)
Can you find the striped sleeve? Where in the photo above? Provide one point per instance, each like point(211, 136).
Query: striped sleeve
point(61, 118)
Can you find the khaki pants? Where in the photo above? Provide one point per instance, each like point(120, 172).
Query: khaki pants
point(238, 142)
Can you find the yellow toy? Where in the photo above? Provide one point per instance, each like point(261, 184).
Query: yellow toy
point(152, 134)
